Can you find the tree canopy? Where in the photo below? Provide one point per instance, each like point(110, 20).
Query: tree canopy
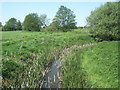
point(0, 24)
point(10, 25)
point(19, 25)
point(44, 20)
point(66, 18)
point(104, 22)
point(32, 22)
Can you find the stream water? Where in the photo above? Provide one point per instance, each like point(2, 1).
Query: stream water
point(51, 79)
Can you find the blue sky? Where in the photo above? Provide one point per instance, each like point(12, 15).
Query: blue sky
point(19, 10)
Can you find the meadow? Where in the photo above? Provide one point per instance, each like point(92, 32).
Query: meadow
point(38, 54)
point(91, 66)
point(26, 57)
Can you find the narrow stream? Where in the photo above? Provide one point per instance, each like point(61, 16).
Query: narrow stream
point(51, 79)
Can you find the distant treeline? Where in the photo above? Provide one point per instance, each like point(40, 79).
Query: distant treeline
point(64, 20)
point(103, 22)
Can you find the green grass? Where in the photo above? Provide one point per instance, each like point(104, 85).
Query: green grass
point(93, 67)
point(26, 55)
point(101, 65)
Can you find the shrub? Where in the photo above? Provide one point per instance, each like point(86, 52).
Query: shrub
point(11, 69)
point(104, 22)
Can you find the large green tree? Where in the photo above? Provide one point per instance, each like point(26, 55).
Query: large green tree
point(32, 22)
point(104, 22)
point(66, 18)
point(10, 25)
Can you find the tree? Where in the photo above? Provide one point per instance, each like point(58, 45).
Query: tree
point(66, 18)
point(32, 22)
point(19, 25)
point(44, 20)
point(52, 27)
point(10, 25)
point(0, 24)
point(104, 22)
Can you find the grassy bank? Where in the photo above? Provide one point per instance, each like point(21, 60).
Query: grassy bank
point(26, 55)
point(92, 66)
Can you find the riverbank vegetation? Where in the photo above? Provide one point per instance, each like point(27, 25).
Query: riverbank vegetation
point(91, 66)
point(88, 55)
point(96, 66)
point(28, 54)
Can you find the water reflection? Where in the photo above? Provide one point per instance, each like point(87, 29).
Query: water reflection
point(51, 79)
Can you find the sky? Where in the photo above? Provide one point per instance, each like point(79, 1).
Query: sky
point(20, 9)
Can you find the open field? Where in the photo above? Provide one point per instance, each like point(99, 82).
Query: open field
point(84, 63)
point(59, 45)
point(26, 55)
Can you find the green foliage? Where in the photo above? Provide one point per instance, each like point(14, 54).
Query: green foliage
point(10, 25)
point(10, 69)
point(63, 21)
point(93, 67)
point(71, 72)
point(0, 28)
point(32, 22)
point(104, 22)
point(68, 27)
point(0, 24)
point(100, 64)
point(36, 50)
point(65, 18)
point(72, 75)
point(52, 27)
point(19, 25)
point(44, 20)
point(81, 27)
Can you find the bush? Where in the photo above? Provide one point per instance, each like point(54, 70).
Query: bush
point(11, 69)
point(52, 27)
point(104, 22)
